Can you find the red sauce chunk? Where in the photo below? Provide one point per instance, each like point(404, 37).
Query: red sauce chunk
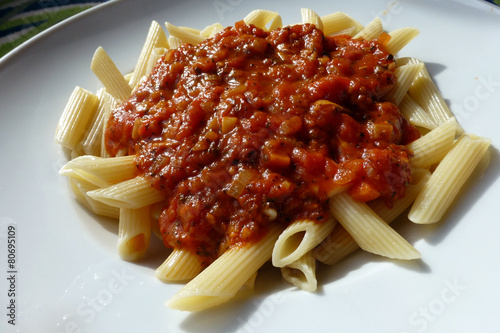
point(250, 128)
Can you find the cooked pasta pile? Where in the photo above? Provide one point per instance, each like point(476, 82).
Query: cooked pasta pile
point(109, 184)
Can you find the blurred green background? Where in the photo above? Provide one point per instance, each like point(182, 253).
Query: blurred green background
point(23, 19)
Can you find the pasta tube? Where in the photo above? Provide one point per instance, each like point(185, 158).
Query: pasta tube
point(302, 273)
point(447, 180)
point(298, 239)
point(368, 230)
point(220, 281)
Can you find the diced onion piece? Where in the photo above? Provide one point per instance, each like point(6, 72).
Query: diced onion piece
point(228, 123)
point(240, 182)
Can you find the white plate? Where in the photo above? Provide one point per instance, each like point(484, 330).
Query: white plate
point(69, 277)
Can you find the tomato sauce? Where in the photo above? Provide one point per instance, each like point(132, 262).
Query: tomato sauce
point(252, 127)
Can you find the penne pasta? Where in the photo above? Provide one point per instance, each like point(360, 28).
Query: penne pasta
point(91, 144)
point(425, 93)
point(80, 188)
point(220, 281)
point(400, 38)
point(302, 273)
point(261, 18)
point(339, 244)
point(180, 265)
point(420, 177)
point(155, 55)
point(276, 23)
point(336, 246)
point(405, 76)
point(340, 23)
point(415, 114)
point(251, 136)
point(371, 31)
point(155, 38)
point(433, 147)
point(191, 30)
point(368, 230)
point(105, 117)
point(133, 193)
point(447, 180)
point(76, 117)
point(299, 238)
point(101, 172)
point(156, 210)
point(185, 36)
point(134, 233)
point(109, 75)
point(211, 30)
point(309, 16)
point(174, 42)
